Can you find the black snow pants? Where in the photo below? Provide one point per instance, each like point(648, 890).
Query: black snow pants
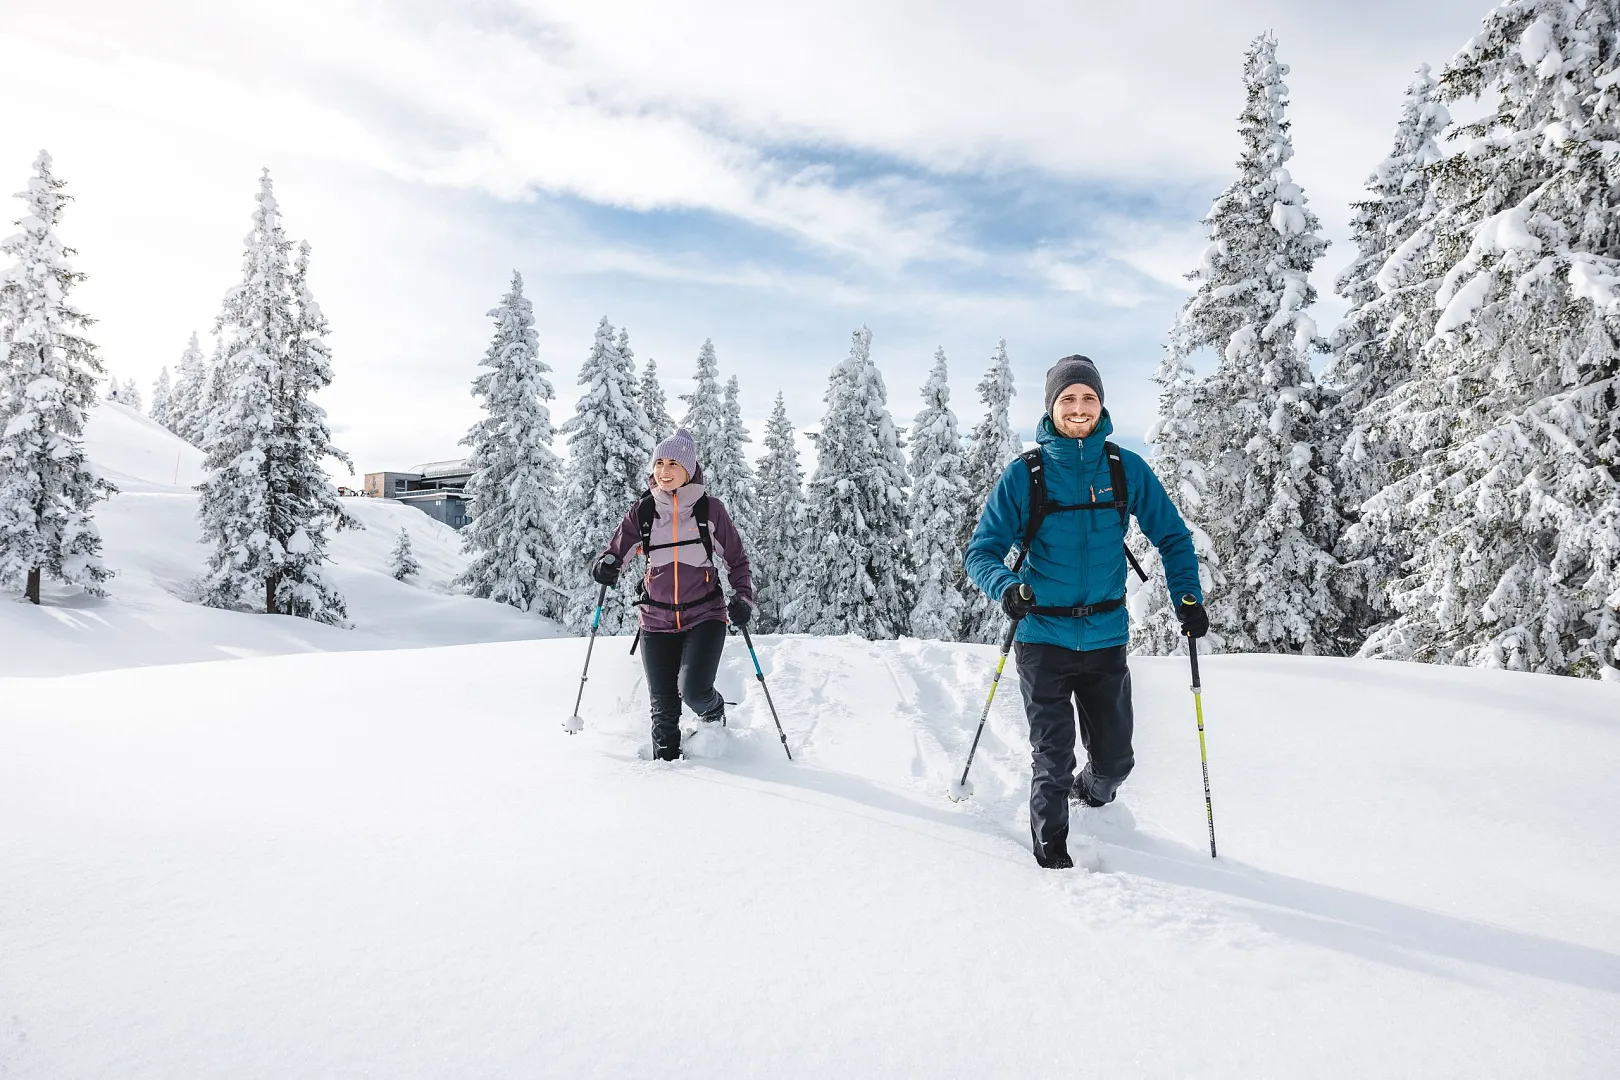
point(681, 664)
point(1057, 684)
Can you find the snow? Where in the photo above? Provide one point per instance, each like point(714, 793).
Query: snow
point(420, 875)
point(151, 538)
point(377, 856)
point(1464, 303)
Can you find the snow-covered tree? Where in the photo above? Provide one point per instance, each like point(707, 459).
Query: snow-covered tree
point(705, 408)
point(730, 475)
point(115, 389)
point(774, 548)
point(939, 500)
point(655, 404)
point(1255, 423)
point(1510, 497)
point(185, 399)
point(131, 395)
point(856, 576)
point(266, 503)
point(609, 452)
point(514, 534)
point(992, 445)
point(1390, 288)
point(47, 383)
point(402, 562)
point(1176, 439)
point(161, 395)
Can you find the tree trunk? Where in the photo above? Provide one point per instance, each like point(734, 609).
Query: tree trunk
point(32, 592)
point(270, 594)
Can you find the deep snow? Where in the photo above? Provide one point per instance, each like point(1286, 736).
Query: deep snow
point(395, 863)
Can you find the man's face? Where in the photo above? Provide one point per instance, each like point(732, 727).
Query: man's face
point(1076, 411)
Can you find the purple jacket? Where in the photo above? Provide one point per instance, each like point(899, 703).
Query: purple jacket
point(683, 574)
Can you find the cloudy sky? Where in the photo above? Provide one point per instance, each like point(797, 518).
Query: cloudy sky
point(770, 175)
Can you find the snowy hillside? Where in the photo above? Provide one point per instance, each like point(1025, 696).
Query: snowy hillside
point(396, 864)
point(150, 535)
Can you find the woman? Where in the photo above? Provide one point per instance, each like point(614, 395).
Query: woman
point(681, 529)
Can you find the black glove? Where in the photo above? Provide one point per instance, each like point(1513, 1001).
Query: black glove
point(1017, 601)
point(605, 570)
point(739, 611)
point(1194, 619)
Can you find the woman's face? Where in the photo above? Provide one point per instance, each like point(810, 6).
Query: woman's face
point(669, 474)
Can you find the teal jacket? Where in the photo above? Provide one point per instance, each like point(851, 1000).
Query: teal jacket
point(1078, 557)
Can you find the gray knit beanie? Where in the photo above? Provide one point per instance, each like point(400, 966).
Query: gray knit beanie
point(1068, 371)
point(679, 447)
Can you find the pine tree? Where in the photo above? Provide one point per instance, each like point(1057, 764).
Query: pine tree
point(514, 534)
point(131, 395)
point(730, 475)
point(185, 401)
point(654, 404)
point(47, 384)
point(266, 504)
point(1256, 422)
point(706, 410)
point(992, 445)
point(774, 549)
point(856, 577)
point(402, 562)
point(1380, 342)
point(609, 453)
point(1510, 499)
point(1176, 439)
point(939, 500)
point(115, 389)
point(160, 398)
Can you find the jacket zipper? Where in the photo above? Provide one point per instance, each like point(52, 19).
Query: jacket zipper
point(675, 537)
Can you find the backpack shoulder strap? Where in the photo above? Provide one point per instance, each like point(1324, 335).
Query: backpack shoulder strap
point(1116, 476)
point(1037, 502)
point(1122, 500)
point(646, 511)
point(700, 514)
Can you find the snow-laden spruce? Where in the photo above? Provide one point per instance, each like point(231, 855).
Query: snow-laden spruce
point(609, 454)
point(402, 562)
point(115, 389)
point(705, 408)
point(1390, 288)
point(1510, 499)
point(131, 395)
point(47, 385)
point(655, 404)
point(856, 577)
point(1175, 439)
point(267, 504)
point(733, 478)
point(185, 400)
point(939, 500)
point(512, 494)
point(1256, 422)
point(774, 549)
point(161, 395)
point(992, 445)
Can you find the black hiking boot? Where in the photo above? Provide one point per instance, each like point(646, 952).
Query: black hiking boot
point(1079, 793)
point(1054, 855)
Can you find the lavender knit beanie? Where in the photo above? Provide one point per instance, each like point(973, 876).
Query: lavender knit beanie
point(679, 447)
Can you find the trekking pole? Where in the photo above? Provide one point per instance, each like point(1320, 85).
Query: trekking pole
point(961, 789)
point(575, 723)
point(1203, 754)
point(761, 675)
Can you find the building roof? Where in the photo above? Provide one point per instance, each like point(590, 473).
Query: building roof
point(434, 469)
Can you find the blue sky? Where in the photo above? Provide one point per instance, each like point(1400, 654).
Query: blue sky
point(770, 176)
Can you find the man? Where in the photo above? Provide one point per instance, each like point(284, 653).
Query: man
point(1068, 597)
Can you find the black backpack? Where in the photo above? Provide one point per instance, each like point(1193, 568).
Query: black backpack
point(1040, 506)
point(646, 512)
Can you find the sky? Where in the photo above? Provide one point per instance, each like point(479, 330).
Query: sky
point(771, 176)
